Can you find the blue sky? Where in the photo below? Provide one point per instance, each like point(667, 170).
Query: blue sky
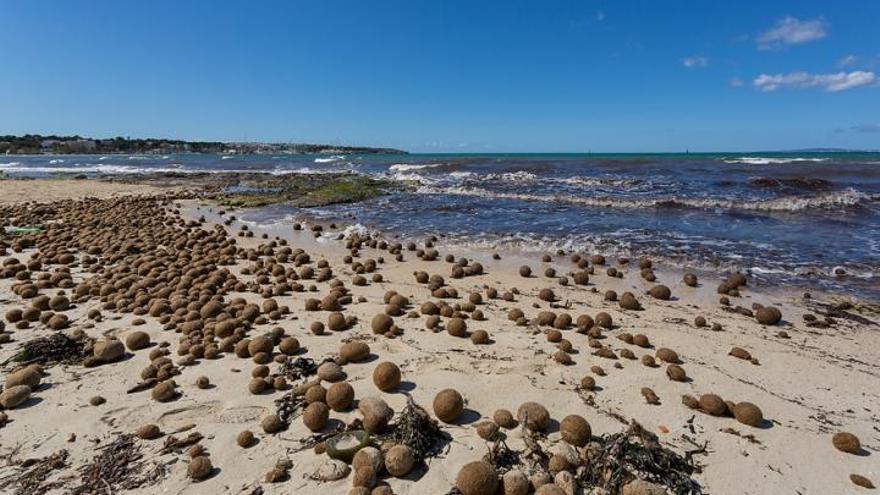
point(449, 75)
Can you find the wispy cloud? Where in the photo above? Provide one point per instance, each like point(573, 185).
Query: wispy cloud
point(847, 61)
point(698, 61)
point(866, 128)
point(792, 31)
point(735, 82)
point(829, 82)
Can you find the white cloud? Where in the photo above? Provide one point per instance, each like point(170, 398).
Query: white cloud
point(697, 61)
point(792, 31)
point(829, 82)
point(847, 61)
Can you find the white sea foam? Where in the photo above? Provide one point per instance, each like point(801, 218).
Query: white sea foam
point(346, 233)
point(837, 199)
point(84, 169)
point(518, 176)
point(600, 181)
point(408, 177)
point(406, 167)
point(761, 160)
point(56, 161)
point(330, 159)
point(462, 175)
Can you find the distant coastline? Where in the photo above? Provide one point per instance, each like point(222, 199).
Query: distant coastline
point(35, 144)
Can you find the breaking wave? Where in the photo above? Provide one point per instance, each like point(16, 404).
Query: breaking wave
point(761, 160)
point(406, 167)
point(847, 198)
point(330, 159)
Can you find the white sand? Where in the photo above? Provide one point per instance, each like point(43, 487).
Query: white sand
point(810, 386)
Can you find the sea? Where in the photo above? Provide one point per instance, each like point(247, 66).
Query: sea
point(807, 220)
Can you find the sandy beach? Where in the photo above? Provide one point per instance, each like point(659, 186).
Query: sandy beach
point(177, 267)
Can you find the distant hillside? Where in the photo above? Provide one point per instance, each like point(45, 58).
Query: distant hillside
point(37, 144)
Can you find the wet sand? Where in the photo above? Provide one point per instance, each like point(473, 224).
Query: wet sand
point(809, 386)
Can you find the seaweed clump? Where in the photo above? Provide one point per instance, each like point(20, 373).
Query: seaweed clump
point(298, 368)
point(415, 428)
point(119, 466)
point(57, 348)
point(33, 473)
point(637, 454)
point(289, 407)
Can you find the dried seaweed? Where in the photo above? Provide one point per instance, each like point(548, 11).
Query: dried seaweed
point(637, 454)
point(119, 466)
point(174, 444)
point(147, 384)
point(415, 428)
point(289, 407)
point(298, 368)
point(751, 438)
point(844, 309)
point(502, 457)
point(32, 474)
point(537, 459)
point(54, 349)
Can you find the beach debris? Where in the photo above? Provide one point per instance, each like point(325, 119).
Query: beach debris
point(57, 348)
point(650, 396)
point(768, 315)
point(199, 468)
point(676, 373)
point(148, 431)
point(477, 478)
point(316, 415)
point(399, 460)
point(713, 404)
point(31, 475)
point(415, 428)
point(386, 376)
point(245, 439)
point(118, 466)
point(861, 481)
point(340, 396)
point(504, 419)
point(748, 414)
point(575, 430)
point(533, 416)
point(137, 340)
point(448, 405)
point(14, 396)
point(30, 375)
point(619, 459)
point(846, 442)
point(660, 292)
point(178, 445)
point(354, 352)
point(298, 368)
point(164, 391)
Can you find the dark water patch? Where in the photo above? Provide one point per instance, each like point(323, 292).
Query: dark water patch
point(788, 183)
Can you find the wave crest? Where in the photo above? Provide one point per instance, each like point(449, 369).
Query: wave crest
point(762, 160)
point(847, 198)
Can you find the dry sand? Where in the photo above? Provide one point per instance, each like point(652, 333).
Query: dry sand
point(44, 190)
point(809, 386)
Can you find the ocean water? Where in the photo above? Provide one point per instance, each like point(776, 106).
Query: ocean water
point(809, 220)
